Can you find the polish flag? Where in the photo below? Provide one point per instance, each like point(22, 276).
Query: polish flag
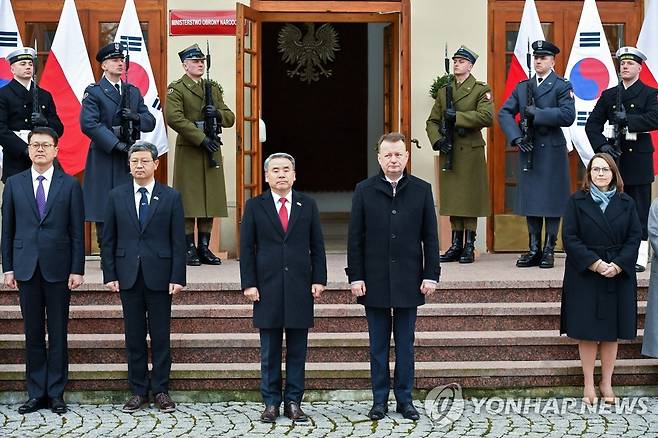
point(591, 71)
point(10, 40)
point(647, 43)
point(140, 73)
point(66, 75)
point(529, 31)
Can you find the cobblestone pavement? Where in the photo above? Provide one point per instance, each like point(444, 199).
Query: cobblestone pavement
point(330, 419)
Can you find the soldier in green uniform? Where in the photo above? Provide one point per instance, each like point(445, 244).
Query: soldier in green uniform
point(464, 190)
point(202, 187)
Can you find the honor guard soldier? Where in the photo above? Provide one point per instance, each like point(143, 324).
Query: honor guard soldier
point(545, 103)
point(198, 165)
point(464, 189)
point(619, 125)
point(20, 112)
point(113, 115)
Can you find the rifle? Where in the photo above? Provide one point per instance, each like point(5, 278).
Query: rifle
point(211, 126)
point(35, 93)
point(448, 128)
point(527, 127)
point(617, 128)
point(127, 132)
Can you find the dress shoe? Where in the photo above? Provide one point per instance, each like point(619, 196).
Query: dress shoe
point(534, 254)
point(192, 258)
point(32, 405)
point(58, 406)
point(608, 396)
point(547, 257)
point(135, 403)
point(455, 251)
point(164, 402)
point(408, 411)
point(270, 414)
point(639, 268)
point(293, 411)
point(378, 411)
point(468, 255)
point(205, 255)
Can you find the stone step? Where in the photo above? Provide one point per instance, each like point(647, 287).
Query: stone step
point(229, 294)
point(329, 347)
point(328, 317)
point(350, 375)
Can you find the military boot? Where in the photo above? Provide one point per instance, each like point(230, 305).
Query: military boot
point(547, 258)
point(192, 256)
point(533, 256)
point(468, 255)
point(455, 251)
point(205, 255)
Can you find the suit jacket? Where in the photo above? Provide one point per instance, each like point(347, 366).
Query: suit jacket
point(393, 242)
point(15, 115)
point(641, 104)
point(282, 265)
point(595, 307)
point(107, 167)
point(545, 189)
point(55, 242)
point(159, 248)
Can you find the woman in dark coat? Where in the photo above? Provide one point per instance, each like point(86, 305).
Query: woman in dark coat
point(601, 234)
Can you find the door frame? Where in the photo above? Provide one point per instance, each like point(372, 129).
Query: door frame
point(250, 19)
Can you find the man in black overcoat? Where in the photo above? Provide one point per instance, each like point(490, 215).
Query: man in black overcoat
point(637, 116)
point(283, 267)
point(43, 255)
point(393, 263)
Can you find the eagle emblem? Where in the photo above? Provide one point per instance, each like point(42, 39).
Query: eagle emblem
point(310, 52)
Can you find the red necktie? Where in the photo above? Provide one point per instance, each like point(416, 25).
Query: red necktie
point(283, 214)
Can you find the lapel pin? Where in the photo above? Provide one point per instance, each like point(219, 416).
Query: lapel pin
point(155, 198)
point(299, 203)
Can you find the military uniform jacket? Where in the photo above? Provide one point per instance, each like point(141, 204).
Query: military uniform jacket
point(544, 190)
point(203, 188)
point(106, 167)
point(641, 104)
point(464, 191)
point(15, 115)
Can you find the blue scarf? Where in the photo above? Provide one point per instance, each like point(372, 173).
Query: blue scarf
point(601, 198)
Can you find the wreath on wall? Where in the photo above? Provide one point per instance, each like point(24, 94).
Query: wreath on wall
point(439, 82)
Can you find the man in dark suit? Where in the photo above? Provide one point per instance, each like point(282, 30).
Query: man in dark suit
point(101, 117)
point(43, 255)
point(637, 116)
point(17, 117)
point(542, 192)
point(283, 268)
point(143, 253)
point(393, 249)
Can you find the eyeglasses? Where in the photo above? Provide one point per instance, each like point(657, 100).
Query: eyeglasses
point(601, 170)
point(37, 146)
point(135, 162)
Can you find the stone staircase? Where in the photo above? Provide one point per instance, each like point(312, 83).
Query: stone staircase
point(492, 333)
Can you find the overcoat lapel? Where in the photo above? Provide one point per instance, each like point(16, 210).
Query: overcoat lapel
point(464, 89)
point(295, 211)
point(195, 88)
point(546, 85)
point(591, 209)
point(110, 91)
point(267, 204)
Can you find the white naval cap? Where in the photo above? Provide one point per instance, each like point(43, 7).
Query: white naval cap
point(630, 53)
point(22, 54)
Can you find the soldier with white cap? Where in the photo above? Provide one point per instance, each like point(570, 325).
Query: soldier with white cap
point(637, 116)
point(17, 117)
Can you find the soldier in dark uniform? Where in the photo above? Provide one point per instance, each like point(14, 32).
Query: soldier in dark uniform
point(542, 193)
point(637, 115)
point(201, 186)
point(17, 118)
point(100, 119)
point(464, 190)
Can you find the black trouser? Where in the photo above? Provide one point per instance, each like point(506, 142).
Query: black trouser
point(46, 371)
point(535, 224)
point(270, 364)
point(641, 194)
point(380, 323)
point(142, 308)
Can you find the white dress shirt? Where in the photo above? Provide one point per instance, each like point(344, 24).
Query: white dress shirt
point(138, 195)
point(48, 175)
point(277, 204)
